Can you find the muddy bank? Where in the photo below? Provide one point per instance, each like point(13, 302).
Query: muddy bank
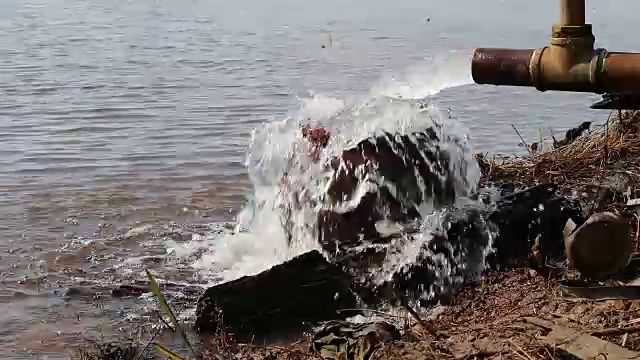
point(530, 303)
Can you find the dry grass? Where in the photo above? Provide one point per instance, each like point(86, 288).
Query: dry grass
point(614, 147)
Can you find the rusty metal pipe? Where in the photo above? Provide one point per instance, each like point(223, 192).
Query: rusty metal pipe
point(568, 63)
point(502, 67)
point(621, 73)
point(572, 12)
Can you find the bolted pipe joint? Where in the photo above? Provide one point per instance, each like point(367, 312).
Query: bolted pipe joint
point(568, 63)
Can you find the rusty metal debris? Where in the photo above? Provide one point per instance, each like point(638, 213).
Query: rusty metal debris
point(599, 247)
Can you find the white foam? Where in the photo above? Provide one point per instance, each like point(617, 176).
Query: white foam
point(437, 73)
point(258, 241)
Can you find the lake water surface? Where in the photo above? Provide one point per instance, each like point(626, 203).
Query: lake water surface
point(124, 125)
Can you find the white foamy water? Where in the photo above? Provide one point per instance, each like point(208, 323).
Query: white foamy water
point(258, 240)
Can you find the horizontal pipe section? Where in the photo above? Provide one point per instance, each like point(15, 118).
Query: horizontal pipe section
point(621, 73)
point(501, 67)
point(618, 73)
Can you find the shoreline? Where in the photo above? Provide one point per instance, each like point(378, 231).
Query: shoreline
point(507, 315)
point(521, 312)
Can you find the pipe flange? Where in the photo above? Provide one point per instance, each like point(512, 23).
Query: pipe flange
point(534, 69)
point(573, 41)
point(596, 70)
point(569, 31)
point(575, 35)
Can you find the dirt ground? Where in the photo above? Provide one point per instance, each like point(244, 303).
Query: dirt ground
point(492, 321)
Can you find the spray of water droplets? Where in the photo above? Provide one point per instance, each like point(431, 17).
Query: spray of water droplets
point(259, 240)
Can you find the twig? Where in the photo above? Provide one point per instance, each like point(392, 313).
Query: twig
point(565, 317)
point(520, 349)
point(555, 142)
point(164, 321)
point(146, 346)
point(546, 348)
point(616, 331)
point(635, 240)
point(540, 134)
point(428, 328)
point(479, 354)
point(521, 138)
point(271, 347)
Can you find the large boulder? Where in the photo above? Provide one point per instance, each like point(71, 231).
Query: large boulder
point(302, 290)
point(390, 177)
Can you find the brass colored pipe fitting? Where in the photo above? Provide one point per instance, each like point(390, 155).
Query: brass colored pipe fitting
point(568, 63)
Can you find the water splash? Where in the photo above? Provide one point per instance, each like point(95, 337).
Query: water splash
point(258, 240)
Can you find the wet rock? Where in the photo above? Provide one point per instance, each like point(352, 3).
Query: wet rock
point(308, 288)
point(414, 164)
point(138, 288)
point(572, 134)
point(130, 291)
point(304, 289)
point(402, 171)
point(76, 292)
point(523, 216)
point(455, 254)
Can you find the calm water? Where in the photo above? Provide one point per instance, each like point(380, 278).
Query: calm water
point(136, 114)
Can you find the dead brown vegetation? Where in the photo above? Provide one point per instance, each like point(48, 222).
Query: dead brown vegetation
point(609, 149)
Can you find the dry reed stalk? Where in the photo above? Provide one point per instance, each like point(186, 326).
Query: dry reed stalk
point(579, 160)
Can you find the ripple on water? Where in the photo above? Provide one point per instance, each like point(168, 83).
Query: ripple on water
point(121, 115)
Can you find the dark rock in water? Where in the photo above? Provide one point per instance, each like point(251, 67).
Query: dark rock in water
point(455, 254)
point(77, 292)
point(402, 160)
point(404, 171)
point(141, 287)
point(304, 289)
point(126, 290)
point(534, 213)
point(310, 289)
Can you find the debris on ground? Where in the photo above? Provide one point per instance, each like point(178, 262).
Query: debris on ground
point(344, 340)
point(533, 305)
point(536, 300)
point(510, 315)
